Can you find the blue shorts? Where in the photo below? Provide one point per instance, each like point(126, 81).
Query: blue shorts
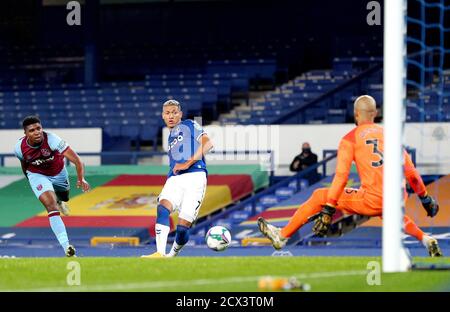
point(41, 183)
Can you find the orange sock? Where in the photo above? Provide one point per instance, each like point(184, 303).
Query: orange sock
point(412, 229)
point(312, 206)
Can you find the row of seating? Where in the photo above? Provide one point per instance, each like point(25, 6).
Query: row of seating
point(205, 49)
point(299, 92)
point(129, 103)
point(106, 96)
point(237, 71)
point(197, 79)
point(339, 107)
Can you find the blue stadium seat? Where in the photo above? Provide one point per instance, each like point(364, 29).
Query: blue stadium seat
point(284, 192)
point(269, 200)
point(149, 132)
point(239, 216)
point(112, 130)
point(130, 131)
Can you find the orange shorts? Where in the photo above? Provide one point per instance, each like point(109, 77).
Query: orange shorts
point(354, 201)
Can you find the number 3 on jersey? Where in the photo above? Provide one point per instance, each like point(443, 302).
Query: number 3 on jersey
point(376, 151)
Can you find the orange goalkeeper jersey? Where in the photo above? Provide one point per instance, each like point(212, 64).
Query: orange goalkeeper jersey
point(365, 145)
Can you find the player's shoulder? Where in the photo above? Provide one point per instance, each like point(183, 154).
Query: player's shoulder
point(350, 136)
point(192, 123)
point(50, 134)
point(52, 138)
point(19, 142)
point(362, 131)
point(189, 122)
point(55, 142)
point(369, 130)
point(18, 148)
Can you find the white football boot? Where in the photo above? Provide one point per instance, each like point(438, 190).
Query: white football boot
point(432, 246)
point(273, 233)
point(63, 207)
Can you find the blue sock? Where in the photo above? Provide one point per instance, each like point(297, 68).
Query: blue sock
point(182, 236)
point(163, 215)
point(58, 227)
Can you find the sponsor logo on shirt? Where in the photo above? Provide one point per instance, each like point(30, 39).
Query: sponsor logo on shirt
point(175, 141)
point(39, 162)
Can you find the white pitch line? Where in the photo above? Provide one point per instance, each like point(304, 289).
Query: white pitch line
point(181, 283)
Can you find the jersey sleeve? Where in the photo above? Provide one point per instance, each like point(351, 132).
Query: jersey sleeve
point(56, 143)
point(413, 177)
point(18, 150)
point(196, 130)
point(343, 166)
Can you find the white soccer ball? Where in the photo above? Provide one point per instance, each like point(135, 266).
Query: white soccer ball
point(218, 238)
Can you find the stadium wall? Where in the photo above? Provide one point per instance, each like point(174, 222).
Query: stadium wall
point(87, 140)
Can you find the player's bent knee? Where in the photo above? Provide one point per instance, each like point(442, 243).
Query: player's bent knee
point(184, 222)
point(48, 199)
point(182, 235)
point(167, 204)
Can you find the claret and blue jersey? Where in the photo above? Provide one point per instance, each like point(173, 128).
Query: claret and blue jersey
point(184, 140)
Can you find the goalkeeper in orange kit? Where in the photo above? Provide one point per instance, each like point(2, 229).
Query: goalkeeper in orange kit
point(364, 146)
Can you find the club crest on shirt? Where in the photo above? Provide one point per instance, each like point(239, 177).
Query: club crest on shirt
point(39, 187)
point(45, 152)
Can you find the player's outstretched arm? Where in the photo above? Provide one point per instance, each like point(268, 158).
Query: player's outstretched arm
point(323, 219)
point(415, 181)
point(205, 146)
point(76, 160)
point(343, 166)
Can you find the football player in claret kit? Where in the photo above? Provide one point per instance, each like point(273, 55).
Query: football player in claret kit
point(186, 181)
point(41, 154)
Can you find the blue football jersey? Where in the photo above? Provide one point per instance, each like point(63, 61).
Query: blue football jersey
point(184, 140)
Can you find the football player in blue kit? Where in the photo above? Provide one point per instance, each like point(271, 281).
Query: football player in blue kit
point(185, 186)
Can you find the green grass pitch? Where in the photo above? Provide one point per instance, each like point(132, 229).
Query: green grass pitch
point(198, 274)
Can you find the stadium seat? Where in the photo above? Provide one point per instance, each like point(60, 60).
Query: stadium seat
point(269, 200)
point(130, 131)
point(284, 192)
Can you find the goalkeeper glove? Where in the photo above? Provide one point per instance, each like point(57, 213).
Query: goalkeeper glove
point(430, 205)
point(322, 220)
